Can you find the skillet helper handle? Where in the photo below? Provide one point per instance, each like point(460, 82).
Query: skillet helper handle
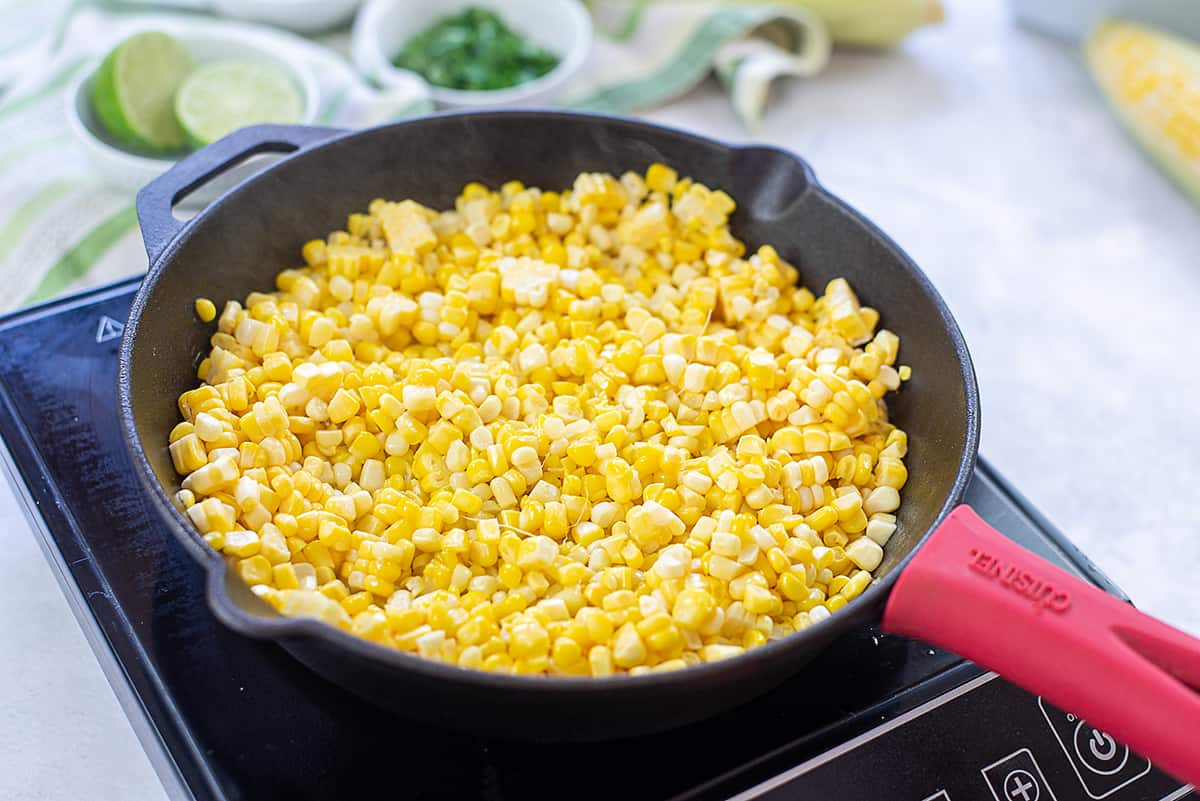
point(156, 199)
point(975, 592)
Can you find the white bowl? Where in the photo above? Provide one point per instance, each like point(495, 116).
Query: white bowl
point(564, 27)
point(126, 168)
point(302, 16)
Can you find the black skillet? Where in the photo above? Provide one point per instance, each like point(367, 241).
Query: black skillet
point(237, 245)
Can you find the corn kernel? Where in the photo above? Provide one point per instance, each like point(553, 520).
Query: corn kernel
point(628, 648)
point(865, 552)
point(206, 310)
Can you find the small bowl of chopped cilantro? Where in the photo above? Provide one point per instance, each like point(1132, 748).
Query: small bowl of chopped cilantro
point(474, 52)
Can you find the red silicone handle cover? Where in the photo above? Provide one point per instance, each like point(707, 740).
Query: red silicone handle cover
point(975, 592)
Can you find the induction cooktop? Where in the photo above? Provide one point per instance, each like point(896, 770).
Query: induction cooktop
point(227, 718)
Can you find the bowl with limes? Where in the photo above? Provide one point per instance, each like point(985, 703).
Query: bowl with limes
point(154, 97)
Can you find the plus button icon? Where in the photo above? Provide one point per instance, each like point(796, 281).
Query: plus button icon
point(1017, 777)
point(1021, 786)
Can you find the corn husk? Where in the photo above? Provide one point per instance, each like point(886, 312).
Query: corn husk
point(873, 23)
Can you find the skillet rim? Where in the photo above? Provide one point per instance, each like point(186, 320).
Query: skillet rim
point(287, 630)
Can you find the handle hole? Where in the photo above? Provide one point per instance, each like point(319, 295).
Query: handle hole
point(194, 200)
point(769, 182)
point(1178, 660)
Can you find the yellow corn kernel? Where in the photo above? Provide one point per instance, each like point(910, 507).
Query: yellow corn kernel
point(865, 553)
point(891, 473)
point(660, 178)
point(566, 652)
point(597, 623)
point(365, 446)
point(693, 608)
point(206, 310)
point(793, 585)
point(715, 653)
point(343, 406)
point(628, 648)
point(188, 454)
point(822, 518)
point(620, 481)
point(301, 603)
point(600, 661)
point(528, 640)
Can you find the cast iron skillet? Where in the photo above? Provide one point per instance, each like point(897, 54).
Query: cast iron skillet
point(964, 582)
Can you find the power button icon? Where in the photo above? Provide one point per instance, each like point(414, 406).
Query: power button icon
point(1102, 765)
point(1098, 751)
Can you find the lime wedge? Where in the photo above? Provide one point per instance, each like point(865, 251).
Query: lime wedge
point(226, 95)
point(133, 88)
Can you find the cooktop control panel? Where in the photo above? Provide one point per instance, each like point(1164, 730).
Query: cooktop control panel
point(1005, 746)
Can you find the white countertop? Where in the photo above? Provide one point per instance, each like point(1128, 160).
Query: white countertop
point(1072, 266)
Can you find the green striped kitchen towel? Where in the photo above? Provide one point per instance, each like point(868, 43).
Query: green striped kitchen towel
point(648, 53)
point(64, 228)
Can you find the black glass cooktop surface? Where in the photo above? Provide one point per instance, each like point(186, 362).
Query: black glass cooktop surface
point(224, 717)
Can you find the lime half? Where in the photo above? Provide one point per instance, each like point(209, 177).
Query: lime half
point(133, 89)
point(226, 95)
